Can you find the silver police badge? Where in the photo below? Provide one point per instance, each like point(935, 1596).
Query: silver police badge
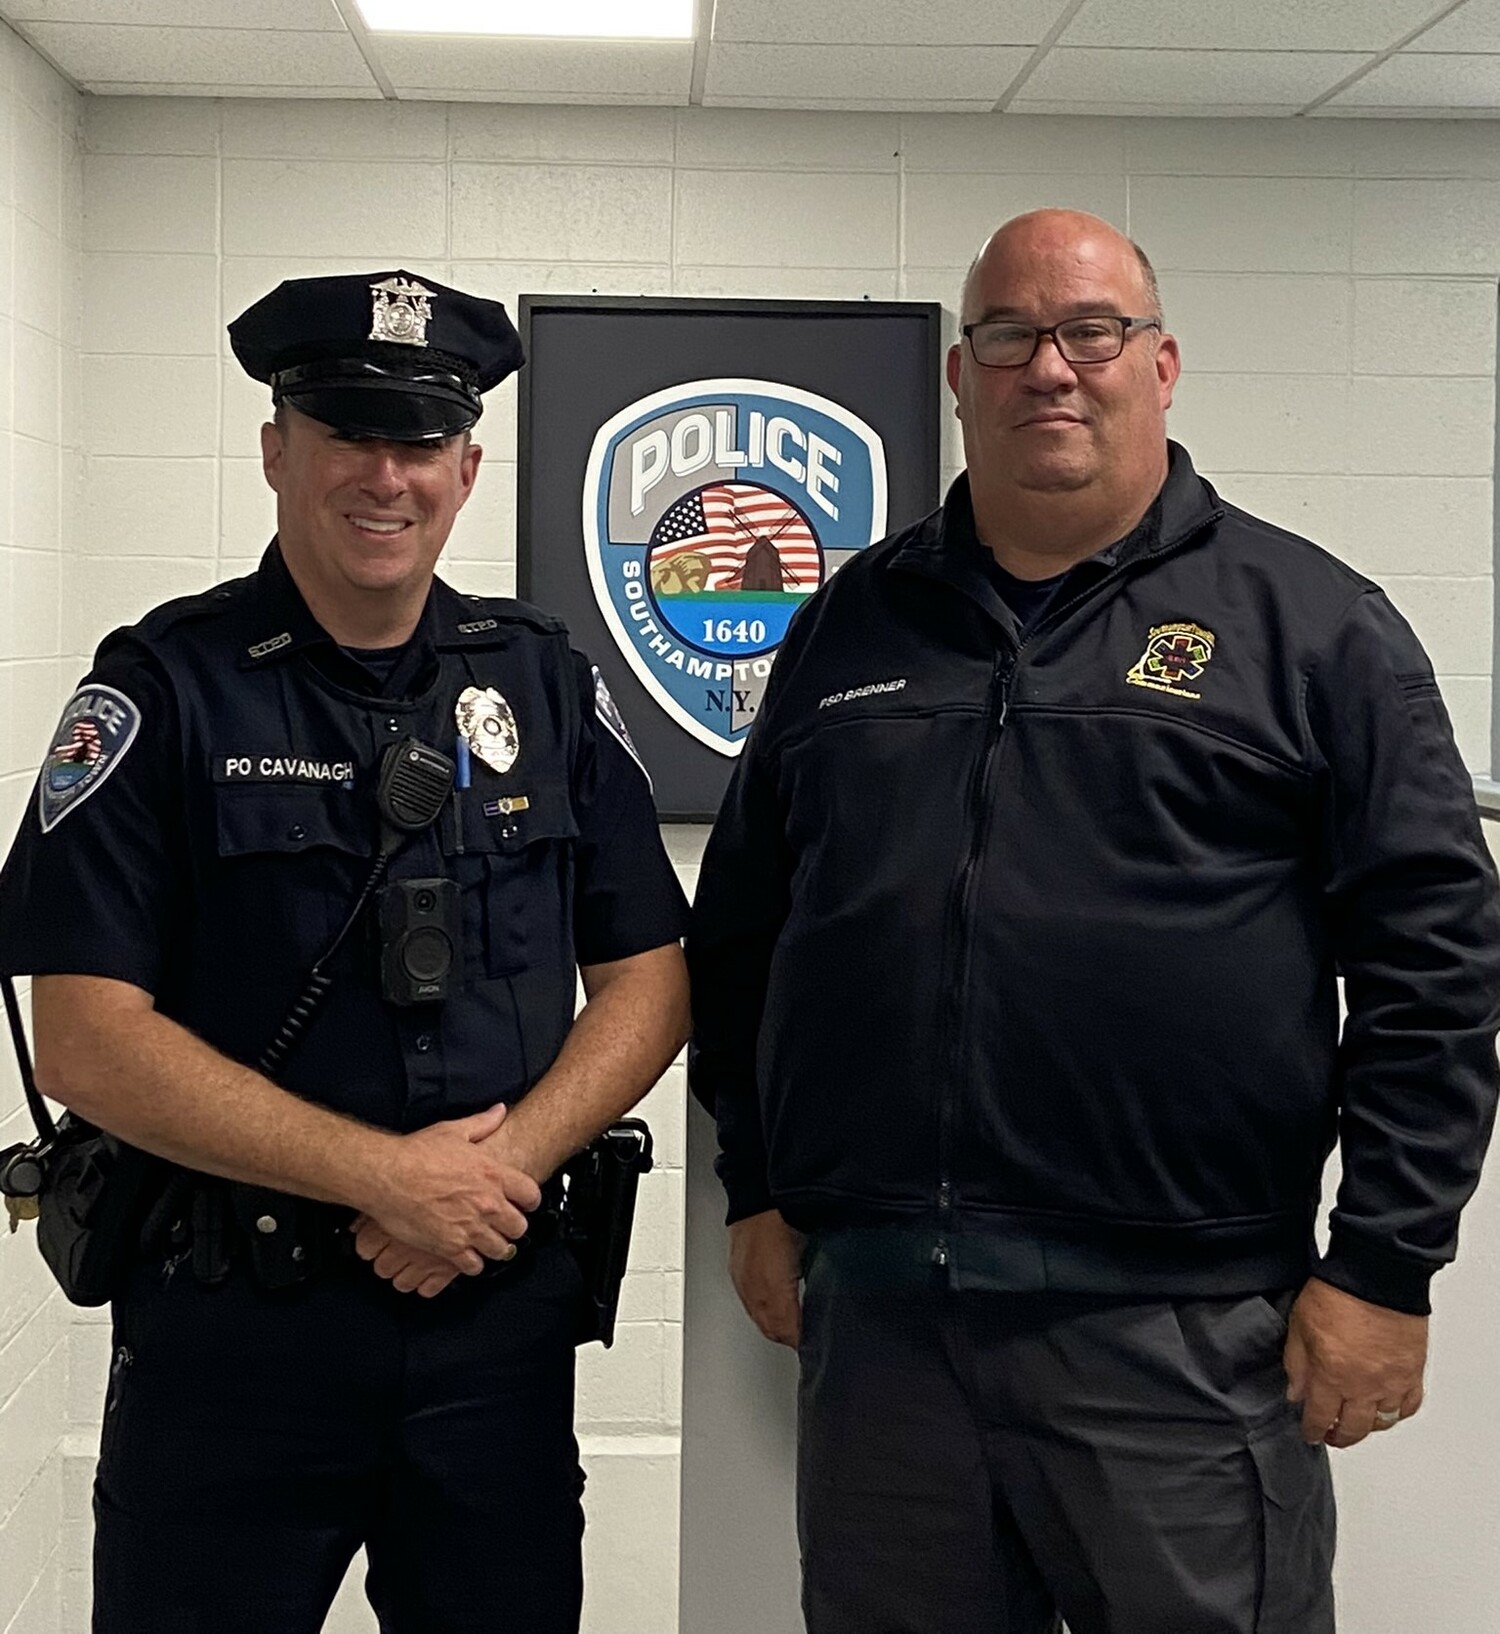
point(487, 724)
point(400, 311)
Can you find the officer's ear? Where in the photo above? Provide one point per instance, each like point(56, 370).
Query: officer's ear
point(468, 468)
point(272, 451)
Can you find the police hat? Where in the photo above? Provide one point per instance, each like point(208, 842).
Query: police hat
point(379, 355)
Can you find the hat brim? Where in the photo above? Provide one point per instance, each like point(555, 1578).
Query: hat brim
point(391, 414)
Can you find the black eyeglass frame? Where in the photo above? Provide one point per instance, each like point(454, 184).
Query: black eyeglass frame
point(1128, 327)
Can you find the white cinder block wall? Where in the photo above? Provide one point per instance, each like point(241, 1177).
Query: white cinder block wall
point(1333, 285)
point(41, 174)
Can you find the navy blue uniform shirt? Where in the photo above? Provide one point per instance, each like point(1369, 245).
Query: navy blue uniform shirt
point(206, 817)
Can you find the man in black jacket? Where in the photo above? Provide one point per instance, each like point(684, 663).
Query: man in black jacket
point(1015, 998)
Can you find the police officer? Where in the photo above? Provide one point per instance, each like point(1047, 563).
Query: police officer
point(349, 1324)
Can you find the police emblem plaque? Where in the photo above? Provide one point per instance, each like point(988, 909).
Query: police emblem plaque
point(711, 512)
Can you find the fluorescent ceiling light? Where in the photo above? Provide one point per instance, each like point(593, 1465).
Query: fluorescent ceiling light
point(571, 19)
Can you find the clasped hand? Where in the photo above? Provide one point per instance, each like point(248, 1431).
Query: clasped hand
point(447, 1202)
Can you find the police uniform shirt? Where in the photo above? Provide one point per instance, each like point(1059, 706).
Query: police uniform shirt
point(206, 818)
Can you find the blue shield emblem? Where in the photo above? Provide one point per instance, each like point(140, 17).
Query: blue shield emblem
point(711, 512)
point(97, 728)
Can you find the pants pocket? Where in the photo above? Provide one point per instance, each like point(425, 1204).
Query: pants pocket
point(1297, 1534)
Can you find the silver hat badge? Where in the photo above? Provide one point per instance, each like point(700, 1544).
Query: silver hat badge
point(400, 311)
point(488, 725)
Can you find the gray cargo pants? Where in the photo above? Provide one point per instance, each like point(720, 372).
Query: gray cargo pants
point(990, 1463)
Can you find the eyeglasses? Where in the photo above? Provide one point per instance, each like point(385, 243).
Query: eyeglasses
point(998, 344)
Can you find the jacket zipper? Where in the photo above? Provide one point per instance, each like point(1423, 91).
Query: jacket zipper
point(1001, 678)
point(1002, 681)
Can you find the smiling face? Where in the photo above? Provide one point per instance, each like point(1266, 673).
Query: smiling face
point(361, 524)
point(1050, 426)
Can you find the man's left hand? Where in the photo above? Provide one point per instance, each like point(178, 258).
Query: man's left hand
point(409, 1270)
point(1352, 1365)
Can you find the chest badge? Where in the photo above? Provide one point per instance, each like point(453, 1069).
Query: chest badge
point(1175, 656)
point(488, 725)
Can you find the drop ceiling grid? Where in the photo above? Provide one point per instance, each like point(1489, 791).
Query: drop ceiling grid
point(1163, 57)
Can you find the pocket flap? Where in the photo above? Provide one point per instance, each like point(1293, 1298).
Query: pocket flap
point(258, 817)
point(486, 821)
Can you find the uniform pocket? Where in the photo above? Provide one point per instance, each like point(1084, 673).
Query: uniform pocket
point(258, 818)
point(514, 852)
point(291, 859)
point(1297, 1536)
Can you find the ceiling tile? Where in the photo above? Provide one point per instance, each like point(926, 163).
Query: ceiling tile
point(1475, 26)
point(886, 22)
point(107, 53)
point(1187, 78)
point(1426, 80)
point(863, 74)
point(310, 15)
point(657, 71)
point(1268, 25)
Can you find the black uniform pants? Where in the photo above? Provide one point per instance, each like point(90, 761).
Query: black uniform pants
point(989, 1463)
point(253, 1442)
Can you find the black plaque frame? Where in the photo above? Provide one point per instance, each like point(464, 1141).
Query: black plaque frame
point(591, 355)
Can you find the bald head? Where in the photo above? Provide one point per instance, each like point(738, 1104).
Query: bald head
point(1043, 228)
point(1064, 454)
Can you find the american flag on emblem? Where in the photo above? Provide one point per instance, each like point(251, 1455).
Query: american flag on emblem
point(83, 745)
point(724, 522)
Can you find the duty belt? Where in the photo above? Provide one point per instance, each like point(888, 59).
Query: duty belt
point(282, 1240)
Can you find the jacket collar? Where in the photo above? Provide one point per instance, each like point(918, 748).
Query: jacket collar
point(281, 623)
point(946, 543)
point(282, 626)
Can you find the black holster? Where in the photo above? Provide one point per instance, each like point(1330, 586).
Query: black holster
point(596, 1216)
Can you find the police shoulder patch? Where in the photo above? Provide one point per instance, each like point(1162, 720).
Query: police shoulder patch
point(613, 721)
point(97, 728)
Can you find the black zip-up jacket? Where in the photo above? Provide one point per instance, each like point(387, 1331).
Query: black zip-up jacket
point(1031, 944)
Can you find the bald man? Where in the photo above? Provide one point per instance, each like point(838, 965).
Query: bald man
point(1014, 964)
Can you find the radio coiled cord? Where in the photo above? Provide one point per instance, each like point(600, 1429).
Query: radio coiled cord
point(319, 982)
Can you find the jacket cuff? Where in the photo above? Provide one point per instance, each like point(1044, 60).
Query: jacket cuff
point(1376, 1274)
point(747, 1195)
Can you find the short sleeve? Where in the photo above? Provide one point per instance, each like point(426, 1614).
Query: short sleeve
point(93, 881)
point(627, 899)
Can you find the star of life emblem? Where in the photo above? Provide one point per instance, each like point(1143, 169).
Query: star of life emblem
point(488, 725)
point(97, 727)
point(400, 311)
point(1175, 655)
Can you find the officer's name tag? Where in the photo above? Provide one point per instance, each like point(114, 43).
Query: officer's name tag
point(282, 769)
